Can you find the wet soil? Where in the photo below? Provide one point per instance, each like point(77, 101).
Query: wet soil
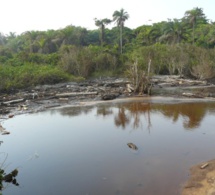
point(202, 179)
point(46, 96)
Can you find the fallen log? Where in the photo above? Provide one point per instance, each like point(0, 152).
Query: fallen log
point(75, 94)
point(63, 99)
point(129, 88)
point(193, 95)
point(204, 166)
point(13, 101)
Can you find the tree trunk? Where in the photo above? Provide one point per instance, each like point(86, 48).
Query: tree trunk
point(121, 38)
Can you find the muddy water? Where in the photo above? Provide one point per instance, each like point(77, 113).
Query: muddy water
point(84, 151)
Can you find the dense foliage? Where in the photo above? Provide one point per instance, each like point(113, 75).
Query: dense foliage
point(177, 46)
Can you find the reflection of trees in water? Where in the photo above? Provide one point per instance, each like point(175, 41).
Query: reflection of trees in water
point(104, 110)
point(134, 111)
point(137, 110)
point(75, 111)
point(193, 113)
point(131, 112)
point(121, 119)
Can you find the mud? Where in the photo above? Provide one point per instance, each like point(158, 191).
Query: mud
point(39, 98)
point(202, 180)
point(43, 97)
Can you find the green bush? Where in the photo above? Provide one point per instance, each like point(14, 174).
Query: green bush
point(29, 75)
point(36, 58)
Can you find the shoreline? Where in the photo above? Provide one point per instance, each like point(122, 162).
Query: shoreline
point(200, 181)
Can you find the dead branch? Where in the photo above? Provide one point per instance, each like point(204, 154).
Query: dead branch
point(13, 101)
point(75, 94)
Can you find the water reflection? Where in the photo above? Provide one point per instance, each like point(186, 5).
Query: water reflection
point(121, 119)
point(82, 151)
point(192, 113)
point(104, 111)
point(131, 112)
point(74, 111)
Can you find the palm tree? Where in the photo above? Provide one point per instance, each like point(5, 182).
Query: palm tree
point(156, 32)
point(101, 24)
point(174, 31)
point(120, 17)
point(195, 16)
point(29, 39)
point(11, 35)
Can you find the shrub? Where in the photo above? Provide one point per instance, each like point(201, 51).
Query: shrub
point(30, 75)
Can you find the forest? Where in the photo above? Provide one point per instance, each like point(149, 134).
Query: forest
point(182, 47)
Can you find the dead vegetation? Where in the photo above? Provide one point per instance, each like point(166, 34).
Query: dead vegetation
point(47, 96)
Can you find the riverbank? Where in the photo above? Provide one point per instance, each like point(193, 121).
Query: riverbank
point(201, 180)
point(88, 92)
point(73, 93)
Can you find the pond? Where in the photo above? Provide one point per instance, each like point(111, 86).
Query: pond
point(85, 150)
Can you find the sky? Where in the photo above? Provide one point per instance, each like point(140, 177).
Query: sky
point(25, 15)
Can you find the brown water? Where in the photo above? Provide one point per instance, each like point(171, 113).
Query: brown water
point(84, 151)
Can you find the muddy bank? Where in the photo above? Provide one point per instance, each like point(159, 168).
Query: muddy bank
point(72, 93)
point(202, 180)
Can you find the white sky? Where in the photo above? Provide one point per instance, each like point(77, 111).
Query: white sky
point(24, 15)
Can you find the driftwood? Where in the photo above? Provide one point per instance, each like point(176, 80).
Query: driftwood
point(106, 89)
point(114, 83)
point(172, 80)
point(3, 130)
point(13, 101)
point(129, 88)
point(63, 99)
point(75, 94)
point(204, 166)
point(193, 95)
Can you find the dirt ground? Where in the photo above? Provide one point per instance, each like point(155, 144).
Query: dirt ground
point(202, 180)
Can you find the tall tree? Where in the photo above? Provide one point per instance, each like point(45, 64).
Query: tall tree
point(156, 31)
point(174, 31)
point(142, 35)
point(29, 38)
point(194, 17)
point(101, 24)
point(120, 17)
